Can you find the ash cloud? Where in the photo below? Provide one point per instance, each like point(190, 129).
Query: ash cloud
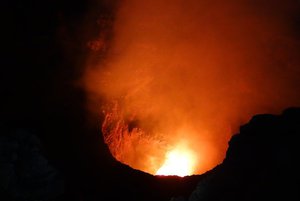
point(196, 70)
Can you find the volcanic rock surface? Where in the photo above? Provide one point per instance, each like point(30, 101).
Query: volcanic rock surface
point(25, 173)
point(262, 162)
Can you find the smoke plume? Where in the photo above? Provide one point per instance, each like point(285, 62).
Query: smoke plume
point(191, 72)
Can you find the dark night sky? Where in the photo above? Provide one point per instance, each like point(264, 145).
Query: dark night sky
point(44, 51)
point(36, 65)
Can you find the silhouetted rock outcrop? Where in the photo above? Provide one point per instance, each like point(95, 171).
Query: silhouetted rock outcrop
point(261, 162)
point(25, 173)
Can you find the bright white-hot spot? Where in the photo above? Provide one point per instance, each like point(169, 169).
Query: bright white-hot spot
point(179, 161)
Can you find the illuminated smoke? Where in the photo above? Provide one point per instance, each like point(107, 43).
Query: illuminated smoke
point(192, 71)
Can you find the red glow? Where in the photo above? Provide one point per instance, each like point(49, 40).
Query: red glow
point(190, 71)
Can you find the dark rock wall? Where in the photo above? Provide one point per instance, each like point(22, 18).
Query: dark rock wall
point(25, 173)
point(261, 162)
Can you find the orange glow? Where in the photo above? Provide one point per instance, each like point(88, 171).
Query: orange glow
point(190, 71)
point(179, 161)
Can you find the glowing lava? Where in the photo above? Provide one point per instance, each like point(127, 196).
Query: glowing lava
point(179, 161)
point(163, 71)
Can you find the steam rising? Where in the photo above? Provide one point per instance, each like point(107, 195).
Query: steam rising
point(193, 71)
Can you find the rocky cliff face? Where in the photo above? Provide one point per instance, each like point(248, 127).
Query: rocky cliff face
point(25, 173)
point(261, 162)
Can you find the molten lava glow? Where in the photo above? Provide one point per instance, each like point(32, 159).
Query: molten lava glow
point(168, 71)
point(179, 161)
